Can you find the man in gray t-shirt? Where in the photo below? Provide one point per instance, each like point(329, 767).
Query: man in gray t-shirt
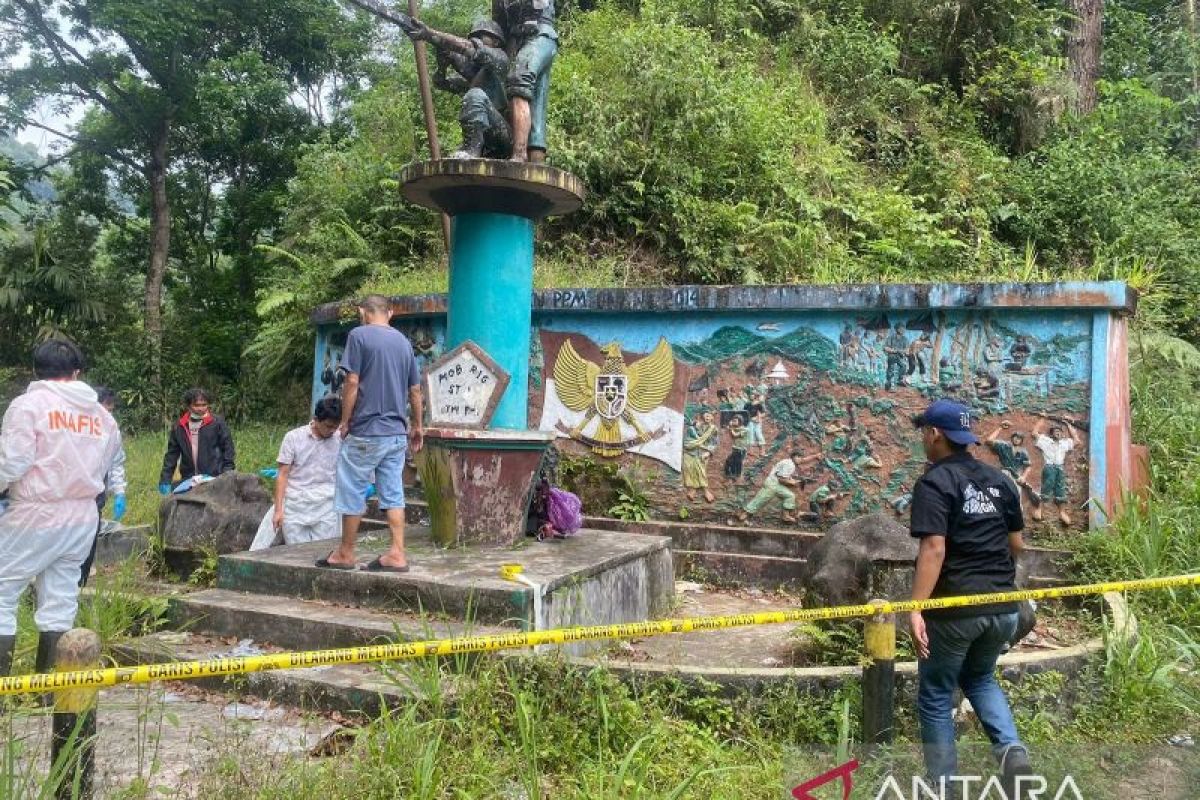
point(382, 384)
point(382, 359)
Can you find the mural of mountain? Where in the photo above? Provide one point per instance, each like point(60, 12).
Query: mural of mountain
point(725, 342)
point(1060, 351)
point(803, 345)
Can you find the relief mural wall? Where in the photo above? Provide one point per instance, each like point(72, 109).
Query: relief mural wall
point(711, 416)
point(800, 413)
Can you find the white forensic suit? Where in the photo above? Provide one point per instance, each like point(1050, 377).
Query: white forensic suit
point(308, 513)
point(56, 445)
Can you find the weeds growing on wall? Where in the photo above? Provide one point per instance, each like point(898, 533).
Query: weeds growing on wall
point(594, 481)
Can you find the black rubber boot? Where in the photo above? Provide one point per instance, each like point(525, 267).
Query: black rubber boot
point(47, 641)
point(7, 644)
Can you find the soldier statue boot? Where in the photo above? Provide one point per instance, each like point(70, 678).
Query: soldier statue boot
point(472, 144)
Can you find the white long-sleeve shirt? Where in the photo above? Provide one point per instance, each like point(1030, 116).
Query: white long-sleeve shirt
point(114, 479)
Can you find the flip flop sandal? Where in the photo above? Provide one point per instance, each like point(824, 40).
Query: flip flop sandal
point(325, 563)
point(379, 566)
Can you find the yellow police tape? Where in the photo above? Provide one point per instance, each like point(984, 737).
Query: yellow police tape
point(185, 670)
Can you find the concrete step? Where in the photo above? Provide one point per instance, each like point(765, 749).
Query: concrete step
point(705, 537)
point(597, 577)
point(766, 558)
point(290, 571)
point(774, 572)
point(1048, 564)
point(352, 689)
point(122, 543)
point(304, 624)
point(712, 538)
point(737, 569)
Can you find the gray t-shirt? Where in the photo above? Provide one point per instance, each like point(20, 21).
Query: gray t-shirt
point(382, 357)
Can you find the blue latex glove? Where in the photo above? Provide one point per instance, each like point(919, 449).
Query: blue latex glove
point(370, 491)
point(164, 489)
point(118, 507)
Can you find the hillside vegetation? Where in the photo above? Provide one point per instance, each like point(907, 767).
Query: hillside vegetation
point(721, 142)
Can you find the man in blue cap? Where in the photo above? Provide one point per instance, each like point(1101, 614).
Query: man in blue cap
point(967, 515)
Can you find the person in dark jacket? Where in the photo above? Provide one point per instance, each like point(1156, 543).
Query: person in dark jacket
point(199, 443)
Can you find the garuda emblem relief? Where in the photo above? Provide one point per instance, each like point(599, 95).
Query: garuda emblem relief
point(613, 393)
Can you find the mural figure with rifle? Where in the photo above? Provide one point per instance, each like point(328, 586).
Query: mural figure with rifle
point(503, 73)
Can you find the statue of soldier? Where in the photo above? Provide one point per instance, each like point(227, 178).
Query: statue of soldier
point(529, 25)
point(482, 65)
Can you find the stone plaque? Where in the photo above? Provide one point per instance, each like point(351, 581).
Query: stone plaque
point(463, 388)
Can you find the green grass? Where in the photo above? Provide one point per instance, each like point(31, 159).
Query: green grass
point(561, 732)
point(549, 730)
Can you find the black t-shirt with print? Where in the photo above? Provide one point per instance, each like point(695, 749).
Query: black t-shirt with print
point(975, 506)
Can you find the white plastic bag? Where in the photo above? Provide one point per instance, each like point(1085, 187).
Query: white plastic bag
point(265, 536)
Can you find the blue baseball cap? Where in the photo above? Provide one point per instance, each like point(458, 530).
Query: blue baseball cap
point(949, 417)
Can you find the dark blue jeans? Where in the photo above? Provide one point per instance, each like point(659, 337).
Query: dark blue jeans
point(963, 654)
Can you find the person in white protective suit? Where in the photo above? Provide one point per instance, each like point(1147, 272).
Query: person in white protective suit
point(56, 445)
point(114, 484)
point(304, 485)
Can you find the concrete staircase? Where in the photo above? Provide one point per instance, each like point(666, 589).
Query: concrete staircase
point(278, 599)
point(612, 571)
point(767, 558)
point(773, 558)
point(764, 558)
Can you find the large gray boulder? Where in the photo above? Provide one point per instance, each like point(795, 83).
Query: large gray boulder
point(220, 516)
point(862, 559)
point(873, 557)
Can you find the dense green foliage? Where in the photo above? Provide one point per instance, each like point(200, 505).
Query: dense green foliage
point(721, 141)
point(776, 140)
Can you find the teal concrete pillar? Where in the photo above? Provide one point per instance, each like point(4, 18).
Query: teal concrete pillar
point(491, 289)
point(478, 482)
point(494, 208)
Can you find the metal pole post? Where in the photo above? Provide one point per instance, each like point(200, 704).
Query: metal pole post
point(879, 678)
point(73, 750)
point(435, 148)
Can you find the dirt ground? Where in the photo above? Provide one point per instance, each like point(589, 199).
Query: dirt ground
point(159, 738)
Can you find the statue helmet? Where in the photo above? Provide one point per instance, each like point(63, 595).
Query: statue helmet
point(488, 26)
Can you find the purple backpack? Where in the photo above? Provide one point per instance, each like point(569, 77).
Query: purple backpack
point(565, 511)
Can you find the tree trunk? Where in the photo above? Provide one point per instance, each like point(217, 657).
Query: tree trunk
point(1190, 11)
point(935, 358)
point(1084, 43)
point(160, 243)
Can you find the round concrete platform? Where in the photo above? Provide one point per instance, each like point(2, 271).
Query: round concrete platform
point(753, 657)
point(484, 185)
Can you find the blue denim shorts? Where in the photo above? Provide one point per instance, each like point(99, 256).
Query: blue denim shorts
point(364, 460)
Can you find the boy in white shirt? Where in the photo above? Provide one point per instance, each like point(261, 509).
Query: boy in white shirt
point(1054, 475)
point(305, 484)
